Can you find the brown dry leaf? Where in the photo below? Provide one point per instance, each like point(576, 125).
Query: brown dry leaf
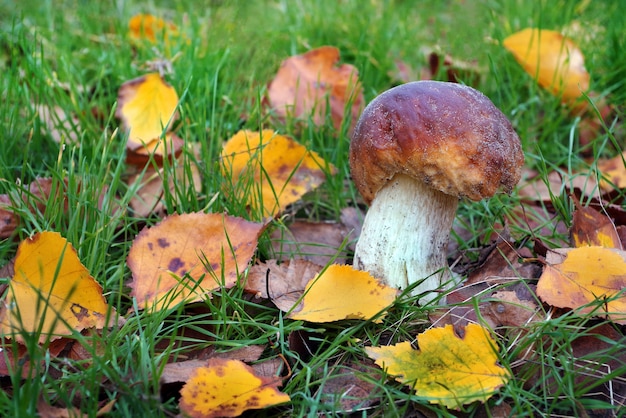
point(227, 388)
point(186, 256)
point(15, 359)
point(589, 279)
point(45, 410)
point(317, 242)
point(147, 109)
point(305, 83)
point(591, 228)
point(533, 187)
point(349, 387)
point(181, 371)
point(62, 127)
point(554, 60)
point(51, 294)
point(341, 292)
point(270, 171)
point(182, 174)
point(285, 282)
point(446, 369)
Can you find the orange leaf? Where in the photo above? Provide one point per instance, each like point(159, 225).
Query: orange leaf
point(227, 388)
point(554, 60)
point(341, 292)
point(446, 369)
point(186, 256)
point(148, 27)
point(147, 108)
point(271, 171)
point(51, 294)
point(591, 228)
point(304, 84)
point(574, 278)
point(613, 172)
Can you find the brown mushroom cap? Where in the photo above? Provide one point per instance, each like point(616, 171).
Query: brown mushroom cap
point(450, 136)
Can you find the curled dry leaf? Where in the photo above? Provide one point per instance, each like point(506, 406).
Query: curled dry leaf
point(589, 279)
point(305, 84)
point(227, 388)
point(446, 369)
point(51, 294)
point(553, 59)
point(270, 171)
point(147, 109)
point(186, 256)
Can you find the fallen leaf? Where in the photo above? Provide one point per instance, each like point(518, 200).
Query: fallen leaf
point(553, 59)
point(341, 292)
point(285, 282)
point(51, 294)
point(305, 84)
point(227, 388)
point(613, 172)
point(147, 109)
point(446, 369)
point(270, 171)
point(591, 228)
point(146, 27)
point(186, 256)
point(589, 279)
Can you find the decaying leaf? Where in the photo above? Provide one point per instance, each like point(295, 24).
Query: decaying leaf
point(51, 294)
point(270, 171)
point(341, 292)
point(181, 175)
point(554, 60)
point(590, 279)
point(446, 369)
point(591, 228)
point(305, 84)
point(147, 109)
point(227, 388)
point(186, 256)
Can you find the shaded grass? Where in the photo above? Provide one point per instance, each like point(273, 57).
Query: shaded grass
point(75, 56)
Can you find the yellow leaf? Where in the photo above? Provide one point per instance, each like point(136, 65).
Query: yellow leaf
point(613, 172)
point(587, 275)
point(186, 256)
point(51, 293)
point(148, 27)
point(554, 60)
point(271, 171)
point(446, 369)
point(147, 108)
point(591, 228)
point(227, 388)
point(341, 292)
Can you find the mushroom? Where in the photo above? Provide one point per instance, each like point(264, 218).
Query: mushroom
point(415, 151)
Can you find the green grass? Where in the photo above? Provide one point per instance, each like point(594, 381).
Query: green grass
point(75, 55)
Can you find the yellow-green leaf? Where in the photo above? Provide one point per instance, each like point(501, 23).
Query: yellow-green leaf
point(341, 292)
point(446, 369)
point(227, 388)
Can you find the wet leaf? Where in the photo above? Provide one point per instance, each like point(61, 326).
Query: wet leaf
point(270, 171)
point(51, 294)
point(227, 388)
point(147, 109)
point(553, 60)
point(341, 292)
point(186, 256)
point(594, 276)
point(305, 84)
point(446, 369)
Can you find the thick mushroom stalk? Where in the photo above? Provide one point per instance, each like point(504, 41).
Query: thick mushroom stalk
point(405, 236)
point(415, 151)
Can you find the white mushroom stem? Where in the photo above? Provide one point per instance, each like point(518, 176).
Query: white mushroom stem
point(405, 237)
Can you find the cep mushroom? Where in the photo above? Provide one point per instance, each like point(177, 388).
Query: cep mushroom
point(415, 151)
